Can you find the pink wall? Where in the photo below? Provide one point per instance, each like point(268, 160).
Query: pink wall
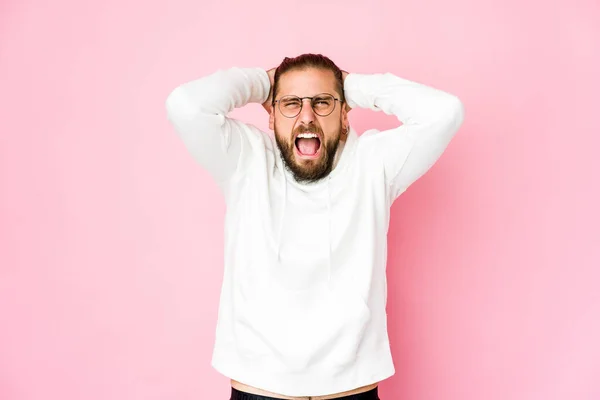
point(111, 244)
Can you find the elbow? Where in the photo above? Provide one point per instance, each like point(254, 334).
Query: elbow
point(188, 101)
point(176, 104)
point(450, 116)
point(184, 103)
point(459, 110)
point(454, 113)
point(195, 97)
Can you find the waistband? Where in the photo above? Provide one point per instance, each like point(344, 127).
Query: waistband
point(368, 395)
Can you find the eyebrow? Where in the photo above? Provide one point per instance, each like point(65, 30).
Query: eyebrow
point(337, 96)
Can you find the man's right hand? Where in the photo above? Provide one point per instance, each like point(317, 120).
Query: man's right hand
point(267, 104)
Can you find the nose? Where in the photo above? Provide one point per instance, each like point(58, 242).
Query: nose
point(307, 115)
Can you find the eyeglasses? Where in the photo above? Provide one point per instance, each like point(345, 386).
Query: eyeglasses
point(322, 104)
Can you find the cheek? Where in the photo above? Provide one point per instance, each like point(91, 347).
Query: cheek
point(283, 130)
point(331, 128)
point(286, 132)
point(283, 126)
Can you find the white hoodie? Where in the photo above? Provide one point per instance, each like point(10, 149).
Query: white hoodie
point(303, 302)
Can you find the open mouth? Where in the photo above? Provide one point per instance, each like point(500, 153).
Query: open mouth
point(308, 144)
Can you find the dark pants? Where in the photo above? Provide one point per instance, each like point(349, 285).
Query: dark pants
point(239, 395)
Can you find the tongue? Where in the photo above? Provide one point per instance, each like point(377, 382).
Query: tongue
point(308, 147)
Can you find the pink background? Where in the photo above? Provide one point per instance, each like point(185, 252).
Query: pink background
point(111, 236)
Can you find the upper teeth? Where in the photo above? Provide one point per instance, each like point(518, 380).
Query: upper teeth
point(307, 135)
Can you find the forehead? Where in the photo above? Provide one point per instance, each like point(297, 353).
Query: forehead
point(307, 82)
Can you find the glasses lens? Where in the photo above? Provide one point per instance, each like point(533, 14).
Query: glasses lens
point(323, 104)
point(290, 106)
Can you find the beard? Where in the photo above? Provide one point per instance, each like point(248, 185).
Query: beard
point(308, 171)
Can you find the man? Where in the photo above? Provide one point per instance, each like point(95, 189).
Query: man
point(302, 308)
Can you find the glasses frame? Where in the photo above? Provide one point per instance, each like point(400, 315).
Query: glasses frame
point(335, 99)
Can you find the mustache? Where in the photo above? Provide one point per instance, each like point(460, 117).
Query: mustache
point(305, 129)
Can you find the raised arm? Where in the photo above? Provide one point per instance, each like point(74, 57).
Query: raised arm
point(198, 110)
point(430, 119)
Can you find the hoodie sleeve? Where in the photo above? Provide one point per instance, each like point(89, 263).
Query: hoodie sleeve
point(198, 111)
point(430, 118)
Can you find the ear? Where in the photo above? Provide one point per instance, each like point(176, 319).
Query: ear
point(345, 122)
point(272, 119)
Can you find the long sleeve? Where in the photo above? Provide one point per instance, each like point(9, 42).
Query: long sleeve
point(198, 110)
point(430, 118)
